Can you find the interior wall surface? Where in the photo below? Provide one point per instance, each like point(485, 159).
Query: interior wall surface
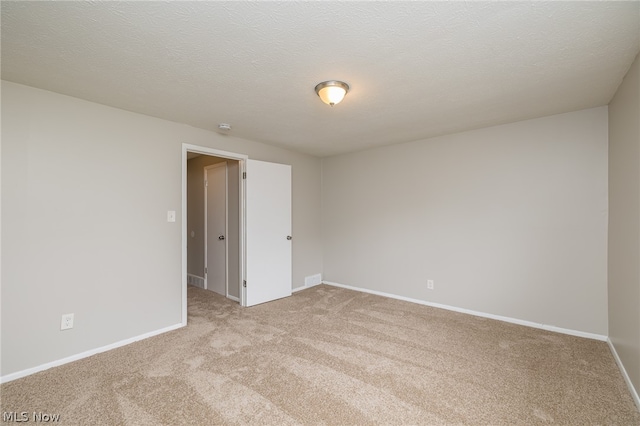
point(624, 223)
point(508, 220)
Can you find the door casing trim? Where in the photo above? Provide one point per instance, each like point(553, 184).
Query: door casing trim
point(241, 158)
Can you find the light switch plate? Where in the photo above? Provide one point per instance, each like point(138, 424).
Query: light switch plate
point(171, 216)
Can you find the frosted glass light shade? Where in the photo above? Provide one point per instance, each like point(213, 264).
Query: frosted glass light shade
point(332, 92)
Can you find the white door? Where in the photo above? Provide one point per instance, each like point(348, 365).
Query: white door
point(216, 228)
point(267, 232)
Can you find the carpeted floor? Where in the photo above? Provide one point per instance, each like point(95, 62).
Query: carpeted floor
point(333, 356)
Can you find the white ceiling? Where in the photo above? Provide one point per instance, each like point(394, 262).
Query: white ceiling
point(416, 69)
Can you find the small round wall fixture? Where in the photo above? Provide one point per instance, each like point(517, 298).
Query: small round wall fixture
point(332, 92)
point(224, 127)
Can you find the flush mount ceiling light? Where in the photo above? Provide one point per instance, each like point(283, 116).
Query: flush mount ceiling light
point(332, 92)
point(224, 126)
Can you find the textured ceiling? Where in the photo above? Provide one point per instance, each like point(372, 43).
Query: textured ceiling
point(416, 69)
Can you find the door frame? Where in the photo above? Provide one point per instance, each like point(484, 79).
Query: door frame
point(241, 158)
point(226, 225)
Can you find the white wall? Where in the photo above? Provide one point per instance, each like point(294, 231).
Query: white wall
point(509, 220)
point(85, 194)
point(624, 223)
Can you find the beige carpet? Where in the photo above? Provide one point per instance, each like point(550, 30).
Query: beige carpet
point(334, 356)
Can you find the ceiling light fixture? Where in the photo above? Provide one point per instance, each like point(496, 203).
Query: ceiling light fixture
point(332, 92)
point(224, 126)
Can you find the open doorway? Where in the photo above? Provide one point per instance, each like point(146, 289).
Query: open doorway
point(213, 224)
point(264, 226)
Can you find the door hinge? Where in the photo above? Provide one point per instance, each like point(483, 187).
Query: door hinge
point(206, 183)
point(244, 283)
point(244, 175)
point(206, 271)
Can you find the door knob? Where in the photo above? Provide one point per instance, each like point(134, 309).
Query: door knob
point(221, 237)
point(289, 237)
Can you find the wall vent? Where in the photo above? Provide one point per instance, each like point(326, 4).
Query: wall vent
point(195, 280)
point(312, 280)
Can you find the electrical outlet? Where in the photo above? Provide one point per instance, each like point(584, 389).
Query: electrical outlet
point(66, 322)
point(430, 284)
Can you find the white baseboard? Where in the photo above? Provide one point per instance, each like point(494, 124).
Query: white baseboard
point(476, 313)
point(29, 371)
point(627, 379)
point(235, 299)
point(298, 289)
